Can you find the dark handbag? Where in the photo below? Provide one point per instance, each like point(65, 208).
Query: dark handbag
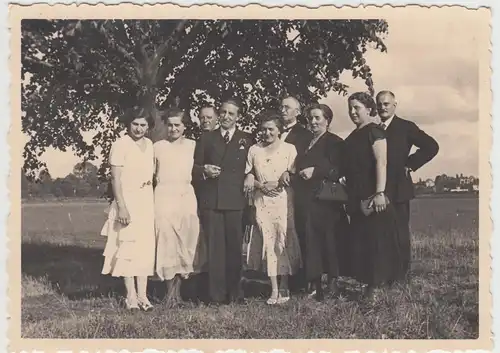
point(332, 191)
point(367, 205)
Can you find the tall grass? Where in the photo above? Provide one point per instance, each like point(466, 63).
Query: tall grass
point(64, 295)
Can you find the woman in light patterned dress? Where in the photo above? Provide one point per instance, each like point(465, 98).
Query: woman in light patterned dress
point(274, 246)
point(130, 246)
point(179, 251)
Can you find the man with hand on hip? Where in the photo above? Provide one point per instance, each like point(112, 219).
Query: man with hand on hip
point(401, 136)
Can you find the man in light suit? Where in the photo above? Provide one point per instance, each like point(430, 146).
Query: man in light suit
point(221, 155)
point(402, 135)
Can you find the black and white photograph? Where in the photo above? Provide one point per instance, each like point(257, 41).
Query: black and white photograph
point(253, 174)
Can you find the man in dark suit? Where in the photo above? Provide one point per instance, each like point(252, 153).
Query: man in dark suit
point(297, 135)
point(402, 135)
point(208, 118)
point(294, 132)
point(222, 156)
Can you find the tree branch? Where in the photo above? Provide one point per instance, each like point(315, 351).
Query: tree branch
point(112, 43)
point(38, 62)
point(219, 32)
point(165, 46)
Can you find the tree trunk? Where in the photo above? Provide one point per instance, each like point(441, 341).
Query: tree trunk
point(148, 102)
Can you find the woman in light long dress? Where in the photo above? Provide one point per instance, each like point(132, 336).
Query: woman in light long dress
point(130, 246)
point(274, 245)
point(179, 251)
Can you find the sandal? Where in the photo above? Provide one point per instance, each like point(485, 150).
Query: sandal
point(273, 300)
point(131, 304)
point(145, 305)
point(284, 296)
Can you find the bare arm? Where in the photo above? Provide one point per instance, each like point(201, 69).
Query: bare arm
point(379, 148)
point(123, 215)
point(199, 153)
point(380, 152)
point(116, 173)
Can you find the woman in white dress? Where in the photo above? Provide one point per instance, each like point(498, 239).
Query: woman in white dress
point(179, 252)
point(130, 246)
point(275, 245)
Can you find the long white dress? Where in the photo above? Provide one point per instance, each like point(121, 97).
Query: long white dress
point(274, 246)
point(130, 249)
point(178, 247)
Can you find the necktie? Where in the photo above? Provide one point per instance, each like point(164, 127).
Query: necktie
point(383, 126)
point(226, 137)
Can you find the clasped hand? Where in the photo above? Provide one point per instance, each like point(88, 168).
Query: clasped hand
point(379, 203)
point(249, 185)
point(306, 173)
point(271, 188)
point(211, 171)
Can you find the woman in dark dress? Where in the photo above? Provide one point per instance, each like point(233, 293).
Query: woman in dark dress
point(318, 221)
point(375, 254)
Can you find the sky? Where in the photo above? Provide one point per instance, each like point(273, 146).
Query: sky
point(432, 67)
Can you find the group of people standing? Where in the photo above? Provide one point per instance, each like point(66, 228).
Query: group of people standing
point(179, 205)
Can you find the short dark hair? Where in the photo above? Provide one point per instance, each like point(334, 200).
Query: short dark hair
point(173, 112)
point(327, 112)
point(207, 106)
point(366, 99)
point(235, 101)
point(137, 112)
point(271, 115)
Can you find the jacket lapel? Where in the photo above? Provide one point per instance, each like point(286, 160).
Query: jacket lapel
point(317, 145)
point(232, 146)
point(290, 138)
point(394, 124)
point(219, 144)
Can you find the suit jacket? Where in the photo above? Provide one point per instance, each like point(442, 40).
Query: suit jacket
point(300, 137)
point(226, 191)
point(324, 156)
point(402, 135)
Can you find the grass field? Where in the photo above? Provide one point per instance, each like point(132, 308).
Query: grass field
point(64, 295)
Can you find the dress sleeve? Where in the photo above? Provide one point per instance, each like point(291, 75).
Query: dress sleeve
point(155, 150)
point(292, 155)
point(250, 158)
point(117, 154)
point(376, 133)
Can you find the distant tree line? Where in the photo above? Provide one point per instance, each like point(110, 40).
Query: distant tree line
point(84, 182)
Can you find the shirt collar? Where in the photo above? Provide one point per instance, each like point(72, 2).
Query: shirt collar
point(231, 131)
point(388, 121)
point(290, 126)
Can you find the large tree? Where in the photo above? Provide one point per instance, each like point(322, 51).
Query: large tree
point(83, 75)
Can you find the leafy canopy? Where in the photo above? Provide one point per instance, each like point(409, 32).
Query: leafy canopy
point(83, 75)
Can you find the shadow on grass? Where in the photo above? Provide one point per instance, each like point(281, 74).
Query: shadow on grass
point(75, 272)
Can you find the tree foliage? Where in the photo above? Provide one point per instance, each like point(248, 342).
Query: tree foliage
point(81, 71)
point(82, 182)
